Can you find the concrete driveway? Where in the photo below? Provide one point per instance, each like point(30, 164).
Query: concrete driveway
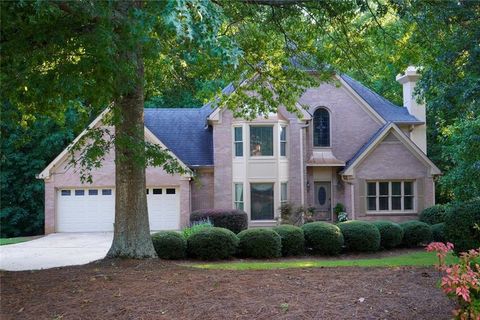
point(55, 250)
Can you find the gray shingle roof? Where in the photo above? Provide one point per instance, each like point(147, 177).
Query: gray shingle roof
point(386, 109)
point(184, 131)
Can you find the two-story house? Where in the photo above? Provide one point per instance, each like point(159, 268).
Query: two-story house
point(346, 145)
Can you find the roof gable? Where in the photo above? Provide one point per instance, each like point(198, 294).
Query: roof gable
point(377, 138)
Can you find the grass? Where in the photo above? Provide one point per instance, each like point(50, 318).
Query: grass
point(412, 259)
point(5, 241)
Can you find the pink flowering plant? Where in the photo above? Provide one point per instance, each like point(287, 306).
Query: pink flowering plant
point(461, 281)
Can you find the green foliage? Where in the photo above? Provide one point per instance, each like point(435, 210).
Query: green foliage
point(231, 219)
point(28, 145)
point(212, 244)
point(416, 233)
point(169, 245)
point(295, 215)
point(438, 232)
point(195, 227)
point(339, 207)
point(391, 234)
point(259, 243)
point(434, 214)
point(360, 236)
point(323, 238)
point(461, 225)
point(293, 240)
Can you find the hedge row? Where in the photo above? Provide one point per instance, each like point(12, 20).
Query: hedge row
point(460, 227)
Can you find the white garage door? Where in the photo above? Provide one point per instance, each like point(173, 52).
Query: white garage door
point(92, 210)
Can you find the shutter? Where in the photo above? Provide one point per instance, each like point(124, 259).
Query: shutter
point(420, 186)
point(361, 198)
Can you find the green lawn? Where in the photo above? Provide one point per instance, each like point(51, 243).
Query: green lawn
point(5, 241)
point(411, 259)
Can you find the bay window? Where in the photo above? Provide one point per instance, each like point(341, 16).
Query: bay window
point(283, 141)
point(283, 193)
point(238, 196)
point(261, 141)
point(390, 196)
point(262, 203)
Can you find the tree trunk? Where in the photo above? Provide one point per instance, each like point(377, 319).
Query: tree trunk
point(131, 237)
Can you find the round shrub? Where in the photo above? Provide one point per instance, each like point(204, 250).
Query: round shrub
point(438, 232)
point(433, 215)
point(416, 233)
point(462, 225)
point(169, 245)
point(360, 236)
point(391, 234)
point(323, 238)
point(212, 244)
point(231, 219)
point(259, 243)
point(293, 240)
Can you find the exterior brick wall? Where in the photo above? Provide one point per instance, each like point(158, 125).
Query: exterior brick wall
point(203, 190)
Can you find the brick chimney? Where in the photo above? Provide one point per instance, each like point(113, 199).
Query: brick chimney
point(418, 133)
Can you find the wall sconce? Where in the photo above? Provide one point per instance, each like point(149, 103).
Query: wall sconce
point(308, 186)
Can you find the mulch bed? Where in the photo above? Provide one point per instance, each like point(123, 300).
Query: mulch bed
point(156, 289)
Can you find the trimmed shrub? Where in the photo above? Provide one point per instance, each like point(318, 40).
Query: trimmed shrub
point(438, 232)
point(462, 225)
point(293, 240)
point(434, 214)
point(169, 245)
point(391, 233)
point(231, 219)
point(212, 244)
point(360, 236)
point(195, 227)
point(416, 233)
point(259, 243)
point(323, 238)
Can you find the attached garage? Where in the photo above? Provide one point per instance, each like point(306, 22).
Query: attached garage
point(93, 209)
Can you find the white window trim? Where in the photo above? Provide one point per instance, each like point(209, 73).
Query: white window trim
point(280, 141)
point(271, 125)
point(235, 201)
point(238, 141)
point(402, 195)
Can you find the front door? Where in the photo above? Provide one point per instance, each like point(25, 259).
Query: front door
point(323, 204)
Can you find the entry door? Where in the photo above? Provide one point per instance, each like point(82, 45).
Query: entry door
point(323, 197)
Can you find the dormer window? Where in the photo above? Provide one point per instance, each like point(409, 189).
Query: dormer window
point(321, 128)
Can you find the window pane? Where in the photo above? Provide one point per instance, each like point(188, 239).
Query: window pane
point(148, 190)
point(283, 192)
point(283, 134)
point(107, 192)
point(79, 192)
point(262, 201)
point(170, 190)
point(383, 188)
point(92, 192)
point(408, 188)
point(321, 128)
point(238, 192)
point(283, 149)
point(238, 134)
point(261, 141)
point(396, 188)
point(372, 203)
point(238, 149)
point(66, 192)
point(396, 203)
point(408, 203)
point(383, 203)
point(239, 205)
point(372, 188)
point(157, 191)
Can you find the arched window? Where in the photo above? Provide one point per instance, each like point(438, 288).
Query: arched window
point(321, 128)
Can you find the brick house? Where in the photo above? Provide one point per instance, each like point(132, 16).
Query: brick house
point(349, 146)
